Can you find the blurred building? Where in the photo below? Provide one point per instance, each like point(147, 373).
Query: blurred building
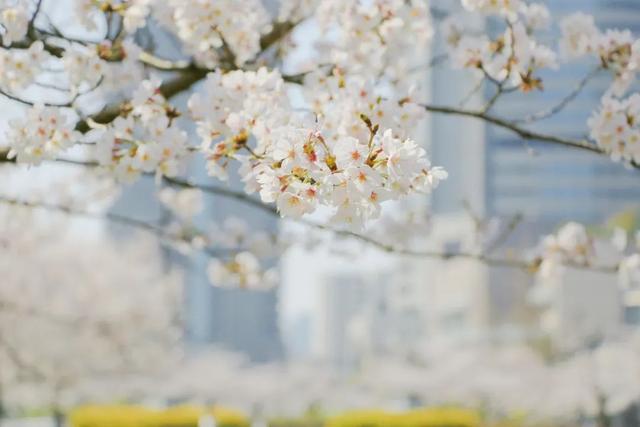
point(297, 336)
point(500, 175)
point(360, 315)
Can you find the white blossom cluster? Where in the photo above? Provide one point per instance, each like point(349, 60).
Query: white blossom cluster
point(579, 30)
point(374, 38)
point(238, 252)
point(42, 134)
point(134, 12)
point(343, 160)
point(234, 233)
point(147, 140)
point(206, 26)
point(492, 7)
point(232, 105)
point(570, 245)
point(243, 267)
point(50, 317)
point(616, 128)
point(14, 20)
point(208, 29)
point(514, 57)
point(123, 75)
point(83, 66)
point(617, 51)
point(185, 204)
point(242, 271)
point(21, 67)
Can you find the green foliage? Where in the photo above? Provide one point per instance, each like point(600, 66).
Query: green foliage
point(433, 417)
point(139, 416)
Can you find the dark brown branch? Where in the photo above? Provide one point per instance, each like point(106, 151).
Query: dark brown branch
point(169, 88)
point(521, 132)
point(224, 192)
point(277, 33)
point(186, 78)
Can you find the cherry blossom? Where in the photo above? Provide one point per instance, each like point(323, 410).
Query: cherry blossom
point(511, 59)
point(579, 32)
point(83, 65)
point(614, 128)
point(44, 133)
point(620, 53)
point(498, 7)
point(66, 347)
point(87, 13)
point(208, 28)
point(123, 75)
point(146, 141)
point(20, 67)
point(242, 271)
point(536, 16)
point(135, 14)
point(185, 203)
point(617, 51)
point(374, 39)
point(571, 244)
point(14, 18)
point(343, 160)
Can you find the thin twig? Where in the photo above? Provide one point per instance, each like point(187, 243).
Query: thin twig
point(464, 101)
point(493, 99)
point(506, 233)
point(541, 115)
point(67, 104)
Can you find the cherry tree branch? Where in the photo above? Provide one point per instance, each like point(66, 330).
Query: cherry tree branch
point(522, 132)
point(530, 266)
point(153, 229)
point(19, 361)
point(109, 216)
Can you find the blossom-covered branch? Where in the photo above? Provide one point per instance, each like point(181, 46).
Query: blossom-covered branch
point(333, 133)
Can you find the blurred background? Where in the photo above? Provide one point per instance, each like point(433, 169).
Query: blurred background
point(102, 327)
